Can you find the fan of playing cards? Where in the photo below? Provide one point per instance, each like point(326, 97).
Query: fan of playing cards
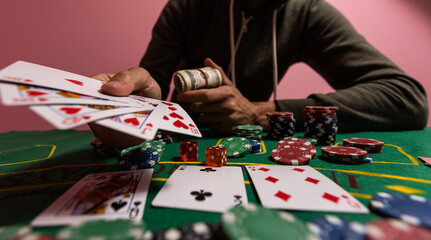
point(67, 100)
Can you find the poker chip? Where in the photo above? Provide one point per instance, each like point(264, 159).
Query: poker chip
point(104, 230)
point(307, 146)
point(249, 131)
point(255, 222)
point(199, 230)
point(409, 208)
point(369, 145)
point(163, 137)
point(396, 230)
point(139, 158)
point(256, 146)
point(236, 146)
point(331, 227)
point(291, 155)
point(320, 123)
point(281, 125)
point(11, 231)
point(344, 152)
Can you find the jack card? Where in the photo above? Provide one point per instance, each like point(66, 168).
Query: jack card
point(203, 188)
point(113, 195)
point(301, 188)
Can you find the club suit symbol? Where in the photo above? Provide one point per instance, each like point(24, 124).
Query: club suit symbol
point(201, 195)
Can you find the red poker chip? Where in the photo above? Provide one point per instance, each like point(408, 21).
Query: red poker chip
point(291, 155)
point(344, 152)
point(366, 142)
point(396, 230)
point(300, 143)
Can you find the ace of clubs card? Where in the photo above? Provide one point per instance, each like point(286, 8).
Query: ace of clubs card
point(201, 188)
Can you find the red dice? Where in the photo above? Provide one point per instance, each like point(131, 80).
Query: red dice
point(189, 151)
point(216, 156)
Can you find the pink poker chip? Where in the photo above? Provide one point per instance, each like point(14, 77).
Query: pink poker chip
point(396, 230)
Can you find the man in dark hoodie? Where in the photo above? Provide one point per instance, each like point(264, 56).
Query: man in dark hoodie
point(253, 43)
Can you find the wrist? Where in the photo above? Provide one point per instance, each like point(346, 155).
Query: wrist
point(262, 109)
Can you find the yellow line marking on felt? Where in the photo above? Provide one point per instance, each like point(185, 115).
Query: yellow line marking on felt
point(405, 189)
point(379, 175)
point(35, 160)
point(412, 159)
point(36, 186)
point(60, 166)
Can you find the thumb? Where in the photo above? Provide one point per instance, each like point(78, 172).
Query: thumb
point(210, 63)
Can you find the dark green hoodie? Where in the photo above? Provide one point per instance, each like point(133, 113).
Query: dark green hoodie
point(372, 93)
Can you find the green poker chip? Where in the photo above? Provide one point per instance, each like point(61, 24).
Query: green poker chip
point(105, 230)
point(236, 146)
point(155, 145)
point(255, 222)
point(251, 128)
point(12, 231)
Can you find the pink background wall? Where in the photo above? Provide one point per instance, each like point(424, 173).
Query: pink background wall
point(92, 36)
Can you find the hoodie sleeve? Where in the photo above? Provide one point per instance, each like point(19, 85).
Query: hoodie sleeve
point(372, 93)
point(167, 45)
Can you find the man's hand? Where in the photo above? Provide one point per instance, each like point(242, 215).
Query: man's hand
point(136, 80)
point(224, 108)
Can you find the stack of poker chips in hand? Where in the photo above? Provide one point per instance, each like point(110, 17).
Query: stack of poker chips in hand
point(320, 122)
point(281, 125)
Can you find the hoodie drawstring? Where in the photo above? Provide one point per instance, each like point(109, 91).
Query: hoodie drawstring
point(234, 47)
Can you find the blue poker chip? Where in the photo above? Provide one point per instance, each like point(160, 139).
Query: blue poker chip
point(139, 158)
point(256, 146)
point(331, 227)
point(409, 208)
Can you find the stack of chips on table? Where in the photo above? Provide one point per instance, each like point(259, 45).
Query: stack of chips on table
point(293, 151)
point(236, 146)
point(350, 155)
point(320, 122)
point(163, 137)
point(249, 131)
point(281, 125)
point(216, 156)
point(369, 145)
point(103, 150)
point(144, 155)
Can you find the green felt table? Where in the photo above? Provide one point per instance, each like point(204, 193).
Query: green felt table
point(37, 167)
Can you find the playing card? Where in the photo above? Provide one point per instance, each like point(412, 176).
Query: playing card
point(70, 116)
point(27, 73)
point(114, 195)
point(201, 188)
point(301, 188)
point(165, 116)
point(18, 94)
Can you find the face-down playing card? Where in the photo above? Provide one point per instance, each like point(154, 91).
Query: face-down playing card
point(114, 195)
point(201, 188)
point(301, 188)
